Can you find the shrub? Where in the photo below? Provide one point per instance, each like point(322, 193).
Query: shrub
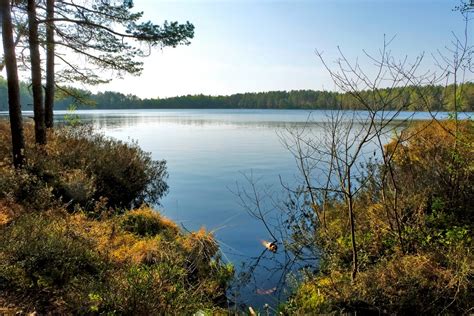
point(87, 262)
point(25, 188)
point(149, 290)
point(414, 284)
point(413, 234)
point(75, 186)
point(122, 172)
point(434, 165)
point(83, 168)
point(45, 253)
point(410, 284)
point(63, 263)
point(146, 222)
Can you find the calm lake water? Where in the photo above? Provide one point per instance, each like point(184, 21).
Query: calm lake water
point(208, 152)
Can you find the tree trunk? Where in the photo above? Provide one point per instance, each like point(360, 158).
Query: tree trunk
point(350, 209)
point(355, 263)
point(16, 125)
point(40, 130)
point(49, 90)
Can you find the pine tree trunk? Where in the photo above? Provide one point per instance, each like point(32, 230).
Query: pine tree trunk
point(40, 130)
point(16, 124)
point(49, 90)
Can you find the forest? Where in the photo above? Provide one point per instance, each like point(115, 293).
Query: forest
point(440, 99)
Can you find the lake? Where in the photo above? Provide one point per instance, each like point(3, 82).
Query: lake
point(209, 153)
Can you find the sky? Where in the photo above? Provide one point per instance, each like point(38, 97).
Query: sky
point(266, 45)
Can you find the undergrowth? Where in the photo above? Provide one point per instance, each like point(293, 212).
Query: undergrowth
point(415, 255)
point(77, 238)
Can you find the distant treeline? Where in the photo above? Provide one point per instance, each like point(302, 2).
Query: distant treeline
point(417, 98)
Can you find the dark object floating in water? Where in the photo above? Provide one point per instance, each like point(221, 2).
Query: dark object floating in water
point(272, 246)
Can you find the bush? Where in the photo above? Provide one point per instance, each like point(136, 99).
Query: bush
point(137, 262)
point(63, 263)
point(122, 172)
point(415, 284)
point(434, 165)
point(418, 263)
point(76, 186)
point(411, 284)
point(201, 248)
point(83, 168)
point(147, 290)
point(146, 222)
point(25, 188)
point(46, 253)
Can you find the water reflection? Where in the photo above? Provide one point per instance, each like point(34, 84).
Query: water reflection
point(125, 120)
point(128, 121)
point(261, 118)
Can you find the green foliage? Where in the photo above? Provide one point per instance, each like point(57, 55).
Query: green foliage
point(87, 261)
point(418, 264)
point(83, 168)
point(109, 34)
point(134, 291)
point(71, 118)
point(75, 185)
point(20, 185)
point(146, 222)
point(39, 252)
point(65, 263)
point(122, 172)
point(70, 264)
point(434, 98)
point(435, 166)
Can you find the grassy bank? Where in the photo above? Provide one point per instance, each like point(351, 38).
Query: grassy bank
point(76, 236)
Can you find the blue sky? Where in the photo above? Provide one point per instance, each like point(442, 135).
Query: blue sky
point(262, 45)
